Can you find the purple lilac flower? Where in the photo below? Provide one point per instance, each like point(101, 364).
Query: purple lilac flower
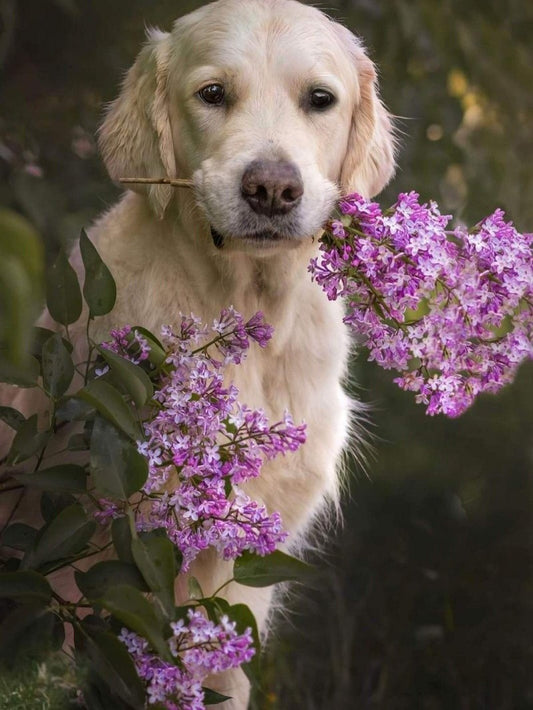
point(108, 510)
point(200, 648)
point(129, 344)
point(452, 311)
point(203, 444)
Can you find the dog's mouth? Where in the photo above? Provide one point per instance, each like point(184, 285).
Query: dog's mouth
point(263, 238)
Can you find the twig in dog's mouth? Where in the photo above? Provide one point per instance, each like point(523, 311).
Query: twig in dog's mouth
point(173, 182)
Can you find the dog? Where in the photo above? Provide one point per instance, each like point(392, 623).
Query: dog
point(272, 109)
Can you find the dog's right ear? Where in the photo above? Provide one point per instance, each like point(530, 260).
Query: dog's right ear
point(370, 157)
point(135, 138)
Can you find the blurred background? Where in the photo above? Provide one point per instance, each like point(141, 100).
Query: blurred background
point(425, 598)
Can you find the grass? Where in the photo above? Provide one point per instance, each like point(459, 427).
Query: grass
point(50, 685)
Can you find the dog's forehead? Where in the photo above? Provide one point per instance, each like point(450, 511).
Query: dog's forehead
point(232, 32)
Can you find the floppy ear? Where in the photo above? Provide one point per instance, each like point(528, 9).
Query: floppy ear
point(135, 138)
point(369, 163)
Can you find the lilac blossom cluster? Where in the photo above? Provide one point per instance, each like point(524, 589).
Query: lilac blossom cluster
point(200, 648)
point(129, 343)
point(451, 310)
point(202, 444)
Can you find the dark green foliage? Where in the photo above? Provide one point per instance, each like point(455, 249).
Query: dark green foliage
point(21, 269)
point(136, 590)
point(131, 608)
point(212, 698)
point(30, 631)
point(64, 478)
point(253, 570)
point(19, 536)
point(99, 288)
point(110, 403)
point(103, 575)
point(118, 470)
point(244, 619)
point(154, 556)
point(63, 295)
point(28, 441)
point(25, 587)
point(133, 379)
point(121, 534)
point(113, 664)
point(11, 417)
point(57, 367)
point(62, 537)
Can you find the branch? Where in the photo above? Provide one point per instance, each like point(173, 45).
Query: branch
point(175, 182)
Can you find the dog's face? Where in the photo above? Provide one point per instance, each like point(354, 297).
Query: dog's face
point(270, 106)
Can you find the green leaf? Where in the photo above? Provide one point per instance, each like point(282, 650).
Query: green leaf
point(40, 336)
point(114, 665)
point(21, 266)
point(25, 586)
point(95, 582)
point(28, 441)
point(65, 478)
point(158, 353)
point(62, 537)
point(110, 403)
point(244, 619)
point(130, 607)
point(97, 695)
point(228, 487)
point(161, 532)
point(154, 556)
point(214, 608)
point(63, 295)
point(19, 536)
point(121, 536)
point(118, 469)
point(255, 571)
point(53, 503)
point(56, 366)
point(72, 409)
point(132, 377)
point(78, 442)
point(211, 697)
point(194, 589)
point(12, 417)
point(30, 631)
point(14, 374)
point(11, 564)
point(99, 287)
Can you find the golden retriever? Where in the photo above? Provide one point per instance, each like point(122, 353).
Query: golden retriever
point(272, 109)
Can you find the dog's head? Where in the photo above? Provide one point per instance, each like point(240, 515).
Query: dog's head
point(269, 105)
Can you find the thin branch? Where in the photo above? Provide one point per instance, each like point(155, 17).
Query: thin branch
point(174, 182)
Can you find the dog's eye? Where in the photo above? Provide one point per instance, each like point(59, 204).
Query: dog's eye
point(321, 99)
point(212, 94)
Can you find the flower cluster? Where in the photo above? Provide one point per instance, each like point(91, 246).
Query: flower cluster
point(128, 343)
point(202, 444)
point(200, 648)
point(451, 310)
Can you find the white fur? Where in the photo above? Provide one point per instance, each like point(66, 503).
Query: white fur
point(157, 241)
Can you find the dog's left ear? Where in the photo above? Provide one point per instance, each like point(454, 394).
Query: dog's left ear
point(135, 138)
point(369, 163)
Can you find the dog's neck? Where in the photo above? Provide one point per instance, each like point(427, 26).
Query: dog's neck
point(269, 282)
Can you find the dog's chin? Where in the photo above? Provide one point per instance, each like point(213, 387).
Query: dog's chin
point(257, 241)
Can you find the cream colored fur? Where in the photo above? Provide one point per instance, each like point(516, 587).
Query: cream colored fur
point(157, 241)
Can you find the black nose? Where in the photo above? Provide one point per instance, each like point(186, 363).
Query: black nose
point(272, 187)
